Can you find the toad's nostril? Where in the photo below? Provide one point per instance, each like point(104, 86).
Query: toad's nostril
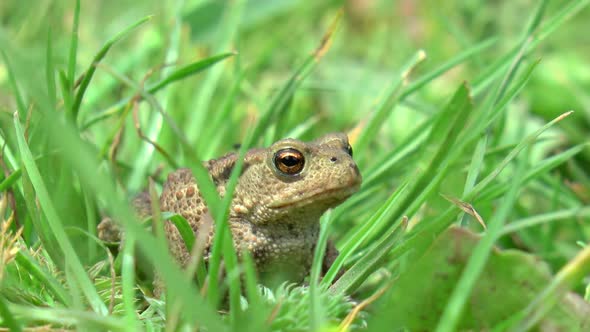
point(333, 159)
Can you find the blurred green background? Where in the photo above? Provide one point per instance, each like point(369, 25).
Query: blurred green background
point(273, 36)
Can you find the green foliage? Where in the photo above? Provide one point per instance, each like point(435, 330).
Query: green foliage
point(452, 116)
point(509, 282)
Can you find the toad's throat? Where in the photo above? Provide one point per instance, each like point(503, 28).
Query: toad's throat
point(336, 194)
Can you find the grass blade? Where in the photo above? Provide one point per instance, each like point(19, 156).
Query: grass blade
point(573, 214)
point(87, 76)
point(127, 280)
point(228, 29)
point(544, 166)
point(185, 230)
point(569, 11)
point(513, 153)
point(20, 103)
point(188, 70)
point(72, 60)
point(392, 95)
point(10, 180)
point(419, 238)
point(475, 168)
point(64, 85)
point(408, 147)
point(69, 317)
point(8, 318)
point(183, 72)
point(452, 313)
point(29, 264)
point(55, 223)
point(201, 175)
point(460, 58)
point(383, 215)
point(50, 71)
point(359, 272)
point(316, 312)
point(435, 158)
point(42, 229)
point(194, 309)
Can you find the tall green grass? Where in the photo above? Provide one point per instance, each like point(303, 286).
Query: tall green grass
point(102, 100)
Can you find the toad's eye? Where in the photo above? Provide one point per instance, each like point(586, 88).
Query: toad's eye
point(349, 150)
point(289, 161)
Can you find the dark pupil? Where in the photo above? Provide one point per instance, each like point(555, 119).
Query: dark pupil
point(290, 160)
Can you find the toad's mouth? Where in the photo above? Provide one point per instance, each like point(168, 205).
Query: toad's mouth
point(328, 196)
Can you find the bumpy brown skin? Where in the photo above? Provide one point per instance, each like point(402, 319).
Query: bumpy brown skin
point(273, 215)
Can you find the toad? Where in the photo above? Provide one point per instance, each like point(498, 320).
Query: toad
point(281, 193)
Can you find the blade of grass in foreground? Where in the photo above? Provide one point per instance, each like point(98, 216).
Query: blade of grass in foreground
point(185, 230)
point(485, 182)
point(438, 156)
point(10, 180)
point(91, 214)
point(64, 84)
point(258, 312)
point(63, 317)
point(8, 317)
point(494, 109)
point(414, 138)
point(128, 282)
point(42, 229)
point(408, 147)
point(55, 223)
point(317, 313)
